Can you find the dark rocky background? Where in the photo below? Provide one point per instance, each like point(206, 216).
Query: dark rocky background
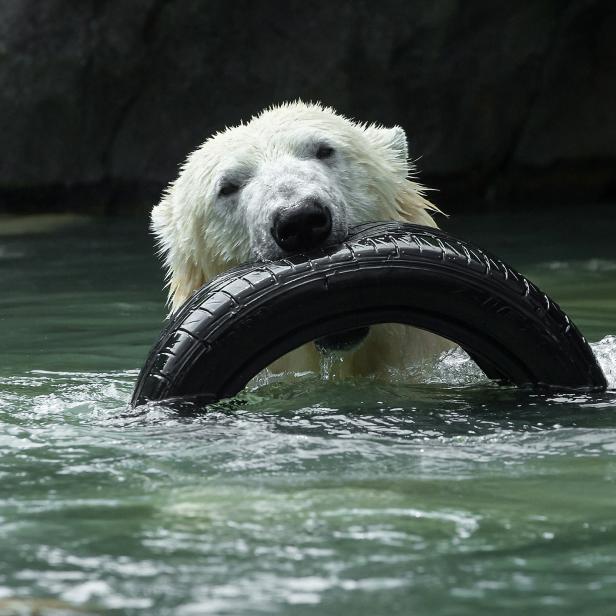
point(504, 102)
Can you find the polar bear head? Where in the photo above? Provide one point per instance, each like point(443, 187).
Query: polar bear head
point(294, 177)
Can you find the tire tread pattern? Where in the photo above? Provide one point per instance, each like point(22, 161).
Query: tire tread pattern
point(192, 332)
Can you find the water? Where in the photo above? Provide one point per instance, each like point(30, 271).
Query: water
point(309, 496)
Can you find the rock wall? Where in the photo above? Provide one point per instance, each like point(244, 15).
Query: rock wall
point(504, 103)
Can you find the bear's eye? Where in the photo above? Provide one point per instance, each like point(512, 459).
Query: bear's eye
point(228, 188)
point(324, 151)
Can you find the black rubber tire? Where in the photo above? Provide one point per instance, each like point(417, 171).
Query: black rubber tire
point(246, 318)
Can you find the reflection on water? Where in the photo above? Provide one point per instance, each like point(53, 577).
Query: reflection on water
point(302, 496)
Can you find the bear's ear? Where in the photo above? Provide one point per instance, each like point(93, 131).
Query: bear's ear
point(392, 139)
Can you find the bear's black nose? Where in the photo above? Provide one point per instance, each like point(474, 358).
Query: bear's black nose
point(303, 226)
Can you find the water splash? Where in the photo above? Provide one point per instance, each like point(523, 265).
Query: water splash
point(455, 367)
point(605, 352)
point(329, 363)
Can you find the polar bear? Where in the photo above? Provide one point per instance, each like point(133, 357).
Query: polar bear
point(293, 178)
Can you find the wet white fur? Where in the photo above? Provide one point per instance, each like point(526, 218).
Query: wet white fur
point(272, 158)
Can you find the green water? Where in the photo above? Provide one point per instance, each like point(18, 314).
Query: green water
point(451, 497)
